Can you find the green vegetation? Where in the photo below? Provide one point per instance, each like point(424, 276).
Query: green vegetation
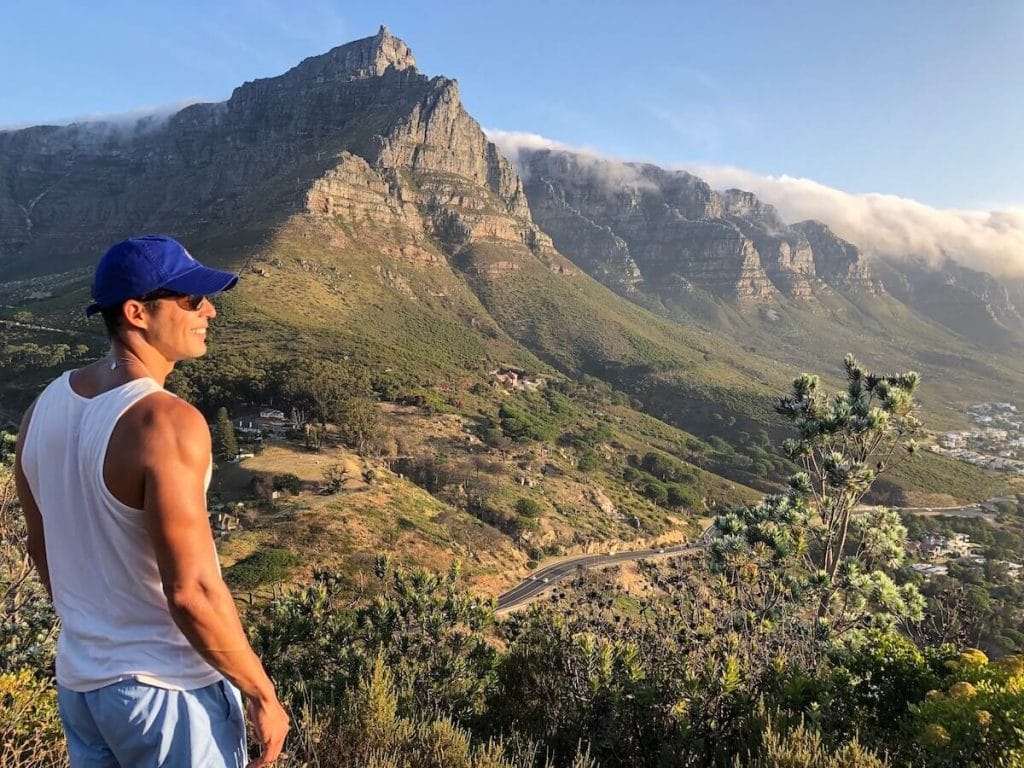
point(265, 566)
point(289, 482)
point(809, 539)
point(788, 645)
point(225, 444)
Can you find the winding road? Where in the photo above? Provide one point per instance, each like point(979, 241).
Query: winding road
point(546, 577)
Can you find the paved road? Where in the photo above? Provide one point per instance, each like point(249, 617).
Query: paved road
point(970, 510)
point(546, 577)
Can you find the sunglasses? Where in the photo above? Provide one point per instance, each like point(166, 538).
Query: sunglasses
point(187, 301)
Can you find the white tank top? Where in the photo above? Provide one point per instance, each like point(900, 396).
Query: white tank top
point(115, 623)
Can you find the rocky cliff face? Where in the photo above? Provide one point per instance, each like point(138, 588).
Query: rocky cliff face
point(987, 312)
point(835, 260)
point(640, 227)
point(278, 146)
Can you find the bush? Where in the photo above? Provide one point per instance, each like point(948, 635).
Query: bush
point(529, 508)
point(683, 496)
point(30, 729)
point(588, 462)
point(261, 567)
point(288, 482)
point(522, 426)
point(592, 436)
point(666, 468)
point(805, 748)
point(656, 492)
point(262, 487)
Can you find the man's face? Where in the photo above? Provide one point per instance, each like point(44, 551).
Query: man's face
point(176, 330)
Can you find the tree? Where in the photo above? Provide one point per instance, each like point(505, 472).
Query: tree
point(360, 424)
point(225, 444)
point(529, 508)
point(334, 478)
point(843, 443)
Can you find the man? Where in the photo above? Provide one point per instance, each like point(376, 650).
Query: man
point(112, 472)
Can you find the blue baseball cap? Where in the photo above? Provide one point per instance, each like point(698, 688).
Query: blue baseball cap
point(136, 266)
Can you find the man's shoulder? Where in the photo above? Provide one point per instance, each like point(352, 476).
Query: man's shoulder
point(162, 415)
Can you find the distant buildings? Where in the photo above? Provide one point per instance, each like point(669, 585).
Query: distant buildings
point(998, 444)
point(927, 569)
point(935, 546)
point(265, 421)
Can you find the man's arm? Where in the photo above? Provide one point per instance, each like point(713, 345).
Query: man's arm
point(175, 454)
point(36, 544)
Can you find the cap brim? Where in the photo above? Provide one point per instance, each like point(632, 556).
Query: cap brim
point(202, 280)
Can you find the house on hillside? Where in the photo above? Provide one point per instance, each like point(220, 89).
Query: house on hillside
point(264, 421)
point(932, 545)
point(510, 377)
point(927, 569)
point(506, 377)
point(953, 440)
point(960, 545)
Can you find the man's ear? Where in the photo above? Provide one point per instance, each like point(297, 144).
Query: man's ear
point(136, 314)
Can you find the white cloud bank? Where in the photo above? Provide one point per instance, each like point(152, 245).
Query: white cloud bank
point(992, 241)
point(141, 118)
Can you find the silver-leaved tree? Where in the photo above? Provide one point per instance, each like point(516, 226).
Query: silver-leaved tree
point(828, 553)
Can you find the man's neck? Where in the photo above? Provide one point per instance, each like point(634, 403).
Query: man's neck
point(140, 358)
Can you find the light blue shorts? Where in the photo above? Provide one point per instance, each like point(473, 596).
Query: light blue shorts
point(133, 725)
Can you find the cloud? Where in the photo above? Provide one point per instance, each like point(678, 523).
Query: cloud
point(992, 241)
point(888, 225)
point(511, 143)
point(608, 171)
point(142, 119)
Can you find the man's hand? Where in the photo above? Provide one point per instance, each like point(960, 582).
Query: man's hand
point(270, 724)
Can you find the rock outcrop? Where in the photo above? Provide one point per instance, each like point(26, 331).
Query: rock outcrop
point(835, 260)
point(638, 227)
point(987, 312)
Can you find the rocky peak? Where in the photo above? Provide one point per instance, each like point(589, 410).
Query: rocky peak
point(358, 60)
point(746, 205)
point(253, 158)
point(835, 260)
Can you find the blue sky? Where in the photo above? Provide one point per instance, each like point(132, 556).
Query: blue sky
point(923, 100)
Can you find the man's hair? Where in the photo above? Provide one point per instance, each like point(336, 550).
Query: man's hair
point(113, 318)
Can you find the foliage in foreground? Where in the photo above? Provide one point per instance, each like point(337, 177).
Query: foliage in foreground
point(785, 654)
point(811, 537)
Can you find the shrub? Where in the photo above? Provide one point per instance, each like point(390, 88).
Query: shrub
point(523, 426)
point(529, 508)
point(656, 492)
point(261, 487)
point(683, 496)
point(665, 468)
point(288, 482)
point(804, 748)
point(30, 729)
point(588, 462)
point(261, 567)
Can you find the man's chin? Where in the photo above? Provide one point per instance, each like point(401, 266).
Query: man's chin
point(198, 351)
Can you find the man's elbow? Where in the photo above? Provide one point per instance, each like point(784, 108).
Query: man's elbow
point(191, 601)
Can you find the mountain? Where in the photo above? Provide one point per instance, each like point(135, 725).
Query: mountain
point(377, 228)
point(975, 305)
point(726, 262)
point(638, 227)
point(229, 167)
